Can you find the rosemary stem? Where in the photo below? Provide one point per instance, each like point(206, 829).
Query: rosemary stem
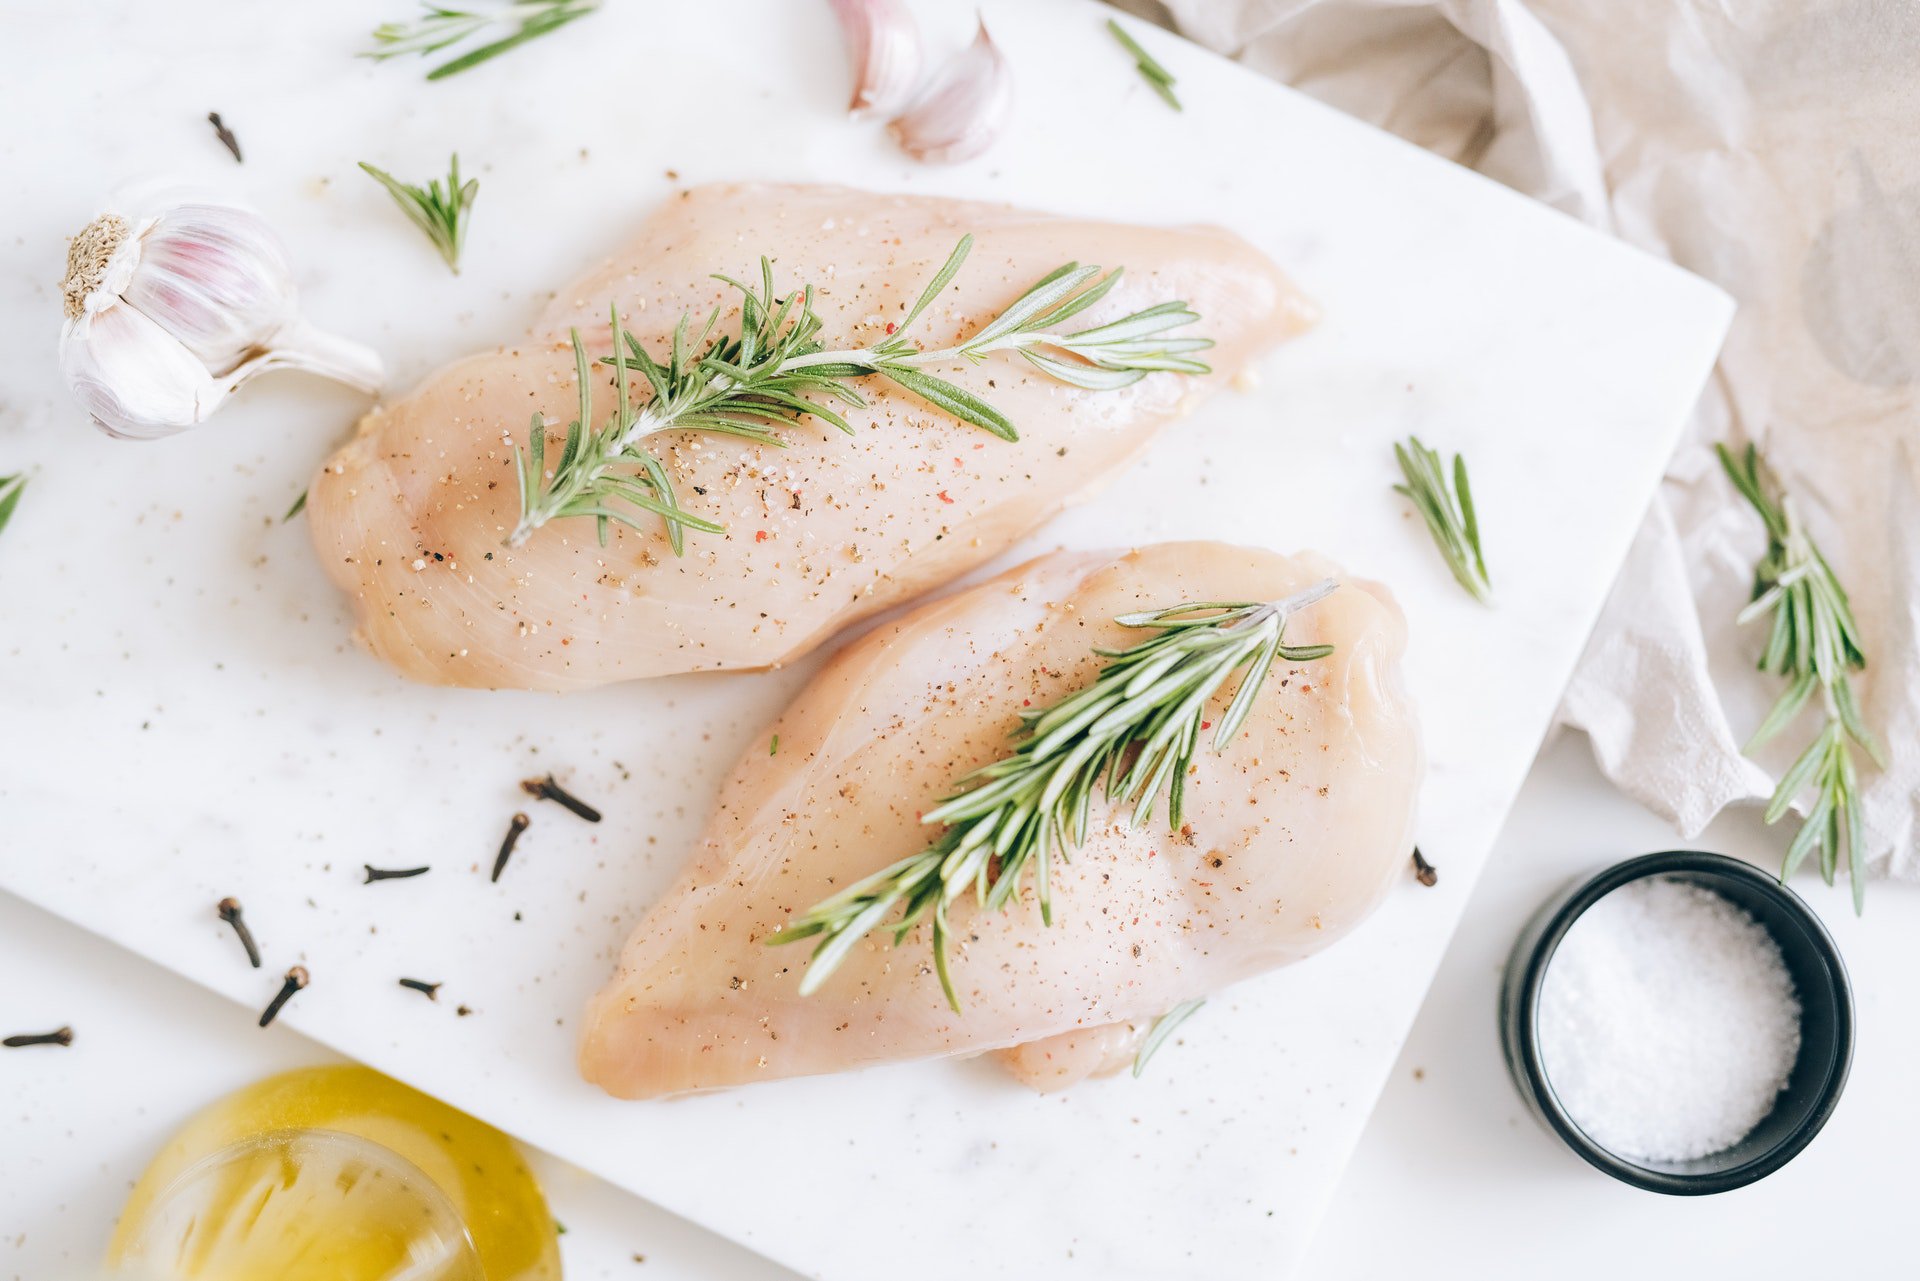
point(863, 357)
point(647, 422)
point(870, 359)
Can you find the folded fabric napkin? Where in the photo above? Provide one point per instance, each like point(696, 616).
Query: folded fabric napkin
point(1772, 147)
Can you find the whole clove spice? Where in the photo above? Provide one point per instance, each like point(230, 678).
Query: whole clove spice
point(549, 790)
point(230, 913)
point(516, 825)
point(225, 135)
point(296, 979)
point(1423, 871)
point(430, 990)
point(391, 873)
point(62, 1037)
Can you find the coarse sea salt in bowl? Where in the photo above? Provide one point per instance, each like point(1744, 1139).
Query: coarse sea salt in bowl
point(1681, 1020)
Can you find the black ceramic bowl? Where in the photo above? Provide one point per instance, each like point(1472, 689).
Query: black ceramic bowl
point(1826, 1022)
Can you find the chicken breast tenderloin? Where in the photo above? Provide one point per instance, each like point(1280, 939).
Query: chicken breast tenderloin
point(409, 517)
point(1291, 837)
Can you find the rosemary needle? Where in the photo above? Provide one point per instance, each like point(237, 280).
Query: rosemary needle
point(1163, 1028)
point(439, 211)
point(1151, 71)
point(1448, 511)
point(1136, 727)
point(1814, 644)
point(11, 487)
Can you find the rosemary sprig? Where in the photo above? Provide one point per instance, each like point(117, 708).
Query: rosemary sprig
point(1137, 726)
point(1163, 1028)
point(1150, 69)
point(1814, 644)
point(439, 211)
point(442, 27)
point(1448, 512)
point(771, 369)
point(11, 487)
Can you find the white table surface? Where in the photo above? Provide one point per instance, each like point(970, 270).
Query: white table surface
point(215, 650)
point(1452, 1172)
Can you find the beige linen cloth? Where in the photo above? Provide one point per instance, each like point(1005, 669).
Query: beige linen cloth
point(1773, 147)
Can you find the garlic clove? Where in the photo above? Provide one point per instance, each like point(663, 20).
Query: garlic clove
point(963, 111)
point(884, 44)
point(137, 380)
point(216, 278)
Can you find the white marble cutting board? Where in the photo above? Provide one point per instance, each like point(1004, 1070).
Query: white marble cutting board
point(183, 717)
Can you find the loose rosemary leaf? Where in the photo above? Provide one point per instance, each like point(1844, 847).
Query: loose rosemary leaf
point(443, 27)
point(439, 211)
point(1448, 512)
point(1150, 69)
point(1814, 644)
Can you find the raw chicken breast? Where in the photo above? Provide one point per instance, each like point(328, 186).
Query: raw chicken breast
point(408, 518)
point(1071, 1057)
point(1291, 837)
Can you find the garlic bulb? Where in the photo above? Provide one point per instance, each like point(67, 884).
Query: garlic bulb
point(885, 47)
point(174, 304)
point(963, 111)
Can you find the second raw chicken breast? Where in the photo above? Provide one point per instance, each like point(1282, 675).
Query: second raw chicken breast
point(1289, 837)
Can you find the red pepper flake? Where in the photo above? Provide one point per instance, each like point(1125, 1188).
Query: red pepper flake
point(761, 536)
point(1206, 724)
point(889, 326)
point(944, 497)
point(1026, 702)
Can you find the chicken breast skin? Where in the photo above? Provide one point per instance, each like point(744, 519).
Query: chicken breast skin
point(1291, 837)
point(409, 517)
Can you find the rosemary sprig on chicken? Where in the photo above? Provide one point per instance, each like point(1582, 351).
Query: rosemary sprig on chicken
point(1130, 735)
point(1814, 644)
point(772, 369)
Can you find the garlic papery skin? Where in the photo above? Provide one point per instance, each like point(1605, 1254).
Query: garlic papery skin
point(884, 45)
point(175, 302)
point(216, 279)
point(964, 110)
